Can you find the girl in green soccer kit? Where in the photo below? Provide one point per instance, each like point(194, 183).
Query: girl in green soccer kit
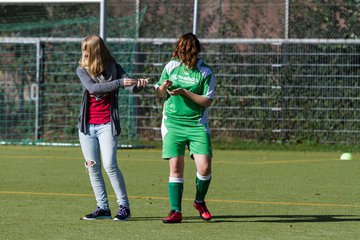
point(187, 84)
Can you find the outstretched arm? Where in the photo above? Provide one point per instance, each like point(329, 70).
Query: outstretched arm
point(140, 85)
point(94, 87)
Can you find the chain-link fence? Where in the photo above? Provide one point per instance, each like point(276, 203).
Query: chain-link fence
point(39, 53)
point(252, 18)
point(286, 70)
point(335, 19)
point(290, 91)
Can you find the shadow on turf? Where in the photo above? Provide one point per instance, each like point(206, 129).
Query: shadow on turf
point(264, 218)
point(160, 218)
point(286, 218)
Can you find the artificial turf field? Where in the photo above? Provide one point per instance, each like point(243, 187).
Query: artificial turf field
point(253, 195)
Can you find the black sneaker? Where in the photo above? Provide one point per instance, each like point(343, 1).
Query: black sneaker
point(123, 214)
point(98, 214)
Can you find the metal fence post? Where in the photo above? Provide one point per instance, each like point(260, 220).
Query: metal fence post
point(286, 36)
point(195, 16)
point(38, 59)
point(103, 20)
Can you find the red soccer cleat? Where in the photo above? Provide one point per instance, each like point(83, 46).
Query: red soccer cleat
point(204, 212)
point(173, 217)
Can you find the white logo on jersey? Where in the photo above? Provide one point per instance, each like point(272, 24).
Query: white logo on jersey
point(184, 79)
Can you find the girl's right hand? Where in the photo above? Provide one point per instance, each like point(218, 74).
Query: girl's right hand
point(161, 91)
point(167, 83)
point(142, 82)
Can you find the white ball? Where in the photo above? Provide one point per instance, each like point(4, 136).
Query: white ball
point(346, 156)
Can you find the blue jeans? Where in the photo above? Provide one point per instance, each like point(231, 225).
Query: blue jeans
point(100, 147)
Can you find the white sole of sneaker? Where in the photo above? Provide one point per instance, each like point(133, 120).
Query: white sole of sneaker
point(117, 219)
point(98, 218)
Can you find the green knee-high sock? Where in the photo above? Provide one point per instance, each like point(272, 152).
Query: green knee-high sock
point(175, 190)
point(202, 187)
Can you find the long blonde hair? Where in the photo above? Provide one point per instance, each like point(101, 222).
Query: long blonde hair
point(99, 58)
point(187, 50)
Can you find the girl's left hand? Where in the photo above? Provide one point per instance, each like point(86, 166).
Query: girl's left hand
point(130, 82)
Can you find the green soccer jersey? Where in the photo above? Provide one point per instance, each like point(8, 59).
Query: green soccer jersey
point(199, 80)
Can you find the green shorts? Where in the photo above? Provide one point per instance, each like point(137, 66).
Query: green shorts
point(177, 135)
